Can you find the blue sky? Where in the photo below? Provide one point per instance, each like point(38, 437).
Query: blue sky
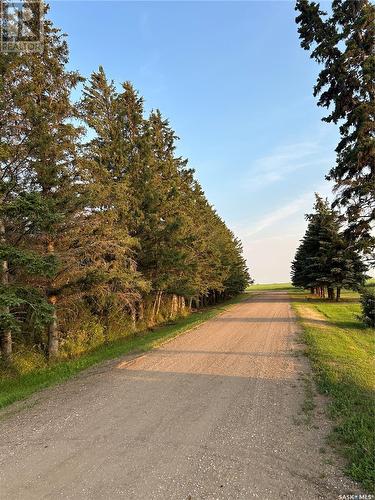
point(237, 89)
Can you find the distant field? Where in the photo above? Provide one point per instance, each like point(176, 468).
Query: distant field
point(258, 287)
point(341, 349)
point(270, 286)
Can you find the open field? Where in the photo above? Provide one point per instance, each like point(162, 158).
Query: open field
point(16, 388)
point(269, 287)
point(259, 287)
point(341, 349)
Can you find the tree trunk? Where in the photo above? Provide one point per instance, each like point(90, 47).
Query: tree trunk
point(141, 310)
point(312, 290)
point(330, 293)
point(338, 293)
point(6, 344)
point(159, 302)
point(53, 334)
point(154, 308)
point(6, 336)
point(174, 306)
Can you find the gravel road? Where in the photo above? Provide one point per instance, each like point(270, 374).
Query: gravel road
point(213, 414)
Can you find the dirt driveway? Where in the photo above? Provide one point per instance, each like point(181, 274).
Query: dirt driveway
point(213, 414)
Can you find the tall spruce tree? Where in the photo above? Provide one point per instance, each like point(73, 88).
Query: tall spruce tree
point(325, 259)
point(22, 206)
point(48, 202)
point(342, 42)
point(238, 277)
point(12, 157)
point(109, 274)
point(211, 247)
point(163, 234)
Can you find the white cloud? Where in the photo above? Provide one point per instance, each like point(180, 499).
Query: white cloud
point(300, 205)
point(282, 162)
point(270, 242)
point(278, 215)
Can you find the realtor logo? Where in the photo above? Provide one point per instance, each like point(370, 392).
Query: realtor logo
point(21, 26)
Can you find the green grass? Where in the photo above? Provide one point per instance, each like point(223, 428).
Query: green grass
point(342, 352)
point(16, 388)
point(269, 287)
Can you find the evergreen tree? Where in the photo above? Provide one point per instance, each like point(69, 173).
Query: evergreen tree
point(166, 233)
point(325, 259)
point(46, 201)
point(211, 247)
point(12, 162)
point(109, 274)
point(343, 43)
point(22, 206)
point(239, 277)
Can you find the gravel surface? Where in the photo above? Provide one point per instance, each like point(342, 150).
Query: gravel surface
point(213, 414)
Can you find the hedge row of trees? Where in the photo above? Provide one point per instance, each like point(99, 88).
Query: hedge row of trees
point(102, 228)
point(325, 262)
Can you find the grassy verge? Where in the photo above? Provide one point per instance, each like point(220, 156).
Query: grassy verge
point(15, 389)
point(341, 349)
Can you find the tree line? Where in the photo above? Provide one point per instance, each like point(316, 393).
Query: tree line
point(103, 227)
